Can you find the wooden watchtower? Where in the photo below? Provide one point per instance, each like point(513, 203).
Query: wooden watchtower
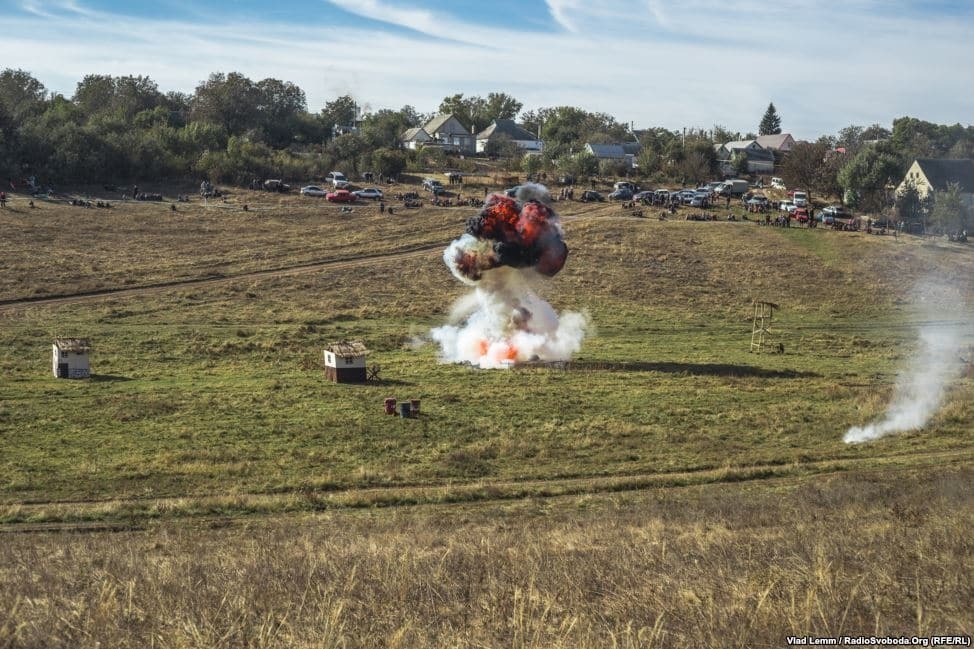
point(761, 329)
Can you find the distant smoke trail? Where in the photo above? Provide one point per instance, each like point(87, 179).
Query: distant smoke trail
point(921, 385)
point(509, 246)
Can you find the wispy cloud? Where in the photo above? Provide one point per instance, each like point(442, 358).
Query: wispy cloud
point(655, 63)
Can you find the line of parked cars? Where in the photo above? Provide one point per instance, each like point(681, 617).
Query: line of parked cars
point(342, 195)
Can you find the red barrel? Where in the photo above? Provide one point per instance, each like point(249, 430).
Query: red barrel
point(390, 405)
point(414, 406)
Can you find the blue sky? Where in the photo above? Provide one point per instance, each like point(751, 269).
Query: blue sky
point(672, 63)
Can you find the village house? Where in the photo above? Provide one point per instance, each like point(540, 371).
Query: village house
point(780, 143)
point(506, 128)
point(415, 138)
point(71, 358)
point(345, 362)
point(625, 151)
point(930, 175)
point(447, 132)
point(759, 159)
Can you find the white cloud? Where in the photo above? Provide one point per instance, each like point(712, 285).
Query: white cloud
point(655, 63)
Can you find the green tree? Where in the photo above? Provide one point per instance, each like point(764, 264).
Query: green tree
point(721, 135)
point(949, 214)
point(580, 165)
point(343, 111)
point(771, 122)
point(383, 128)
point(230, 100)
point(909, 206)
point(502, 146)
point(532, 164)
point(280, 107)
point(388, 162)
point(802, 168)
point(869, 174)
point(478, 112)
point(21, 94)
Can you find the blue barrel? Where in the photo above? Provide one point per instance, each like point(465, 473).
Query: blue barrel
point(405, 410)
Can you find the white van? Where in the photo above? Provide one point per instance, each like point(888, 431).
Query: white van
point(800, 199)
point(777, 183)
point(337, 179)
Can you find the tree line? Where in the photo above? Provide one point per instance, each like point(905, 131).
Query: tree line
point(233, 129)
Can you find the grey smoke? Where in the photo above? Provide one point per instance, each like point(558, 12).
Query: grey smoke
point(922, 384)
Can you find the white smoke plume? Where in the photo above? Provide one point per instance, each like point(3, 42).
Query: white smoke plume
point(504, 322)
point(919, 388)
point(921, 385)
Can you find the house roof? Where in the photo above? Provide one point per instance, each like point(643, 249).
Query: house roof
point(774, 142)
point(434, 125)
point(506, 127)
point(413, 133)
point(739, 144)
point(614, 151)
point(72, 344)
point(347, 348)
point(942, 172)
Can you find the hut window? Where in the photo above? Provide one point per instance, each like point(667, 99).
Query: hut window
point(348, 361)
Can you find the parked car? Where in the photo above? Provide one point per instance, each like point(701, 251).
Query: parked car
point(663, 194)
point(777, 183)
point(800, 213)
point(644, 196)
point(787, 206)
point(835, 211)
point(313, 190)
point(758, 200)
point(700, 199)
point(337, 179)
point(433, 185)
point(687, 195)
point(715, 185)
point(625, 184)
point(621, 194)
point(276, 186)
point(369, 192)
point(341, 196)
point(591, 196)
point(800, 199)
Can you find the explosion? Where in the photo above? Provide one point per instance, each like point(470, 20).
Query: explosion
point(506, 247)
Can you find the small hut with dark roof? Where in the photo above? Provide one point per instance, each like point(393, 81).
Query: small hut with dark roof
point(345, 362)
point(71, 358)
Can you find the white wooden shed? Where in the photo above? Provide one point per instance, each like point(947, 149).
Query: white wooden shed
point(345, 362)
point(71, 358)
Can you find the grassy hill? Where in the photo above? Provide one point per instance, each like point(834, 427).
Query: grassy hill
point(209, 406)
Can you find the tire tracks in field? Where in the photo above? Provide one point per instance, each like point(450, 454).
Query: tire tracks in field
point(83, 516)
point(210, 280)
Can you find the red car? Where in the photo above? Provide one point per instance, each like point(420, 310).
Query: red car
point(801, 214)
point(340, 196)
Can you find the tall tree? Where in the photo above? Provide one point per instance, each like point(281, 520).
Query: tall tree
point(477, 112)
point(341, 112)
point(20, 93)
point(771, 122)
point(949, 214)
point(870, 173)
point(230, 100)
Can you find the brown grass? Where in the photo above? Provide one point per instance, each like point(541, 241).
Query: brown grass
point(696, 567)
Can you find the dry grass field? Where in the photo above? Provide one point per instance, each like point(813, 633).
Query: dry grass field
point(666, 488)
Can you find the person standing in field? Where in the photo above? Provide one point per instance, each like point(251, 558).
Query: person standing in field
point(3, 199)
